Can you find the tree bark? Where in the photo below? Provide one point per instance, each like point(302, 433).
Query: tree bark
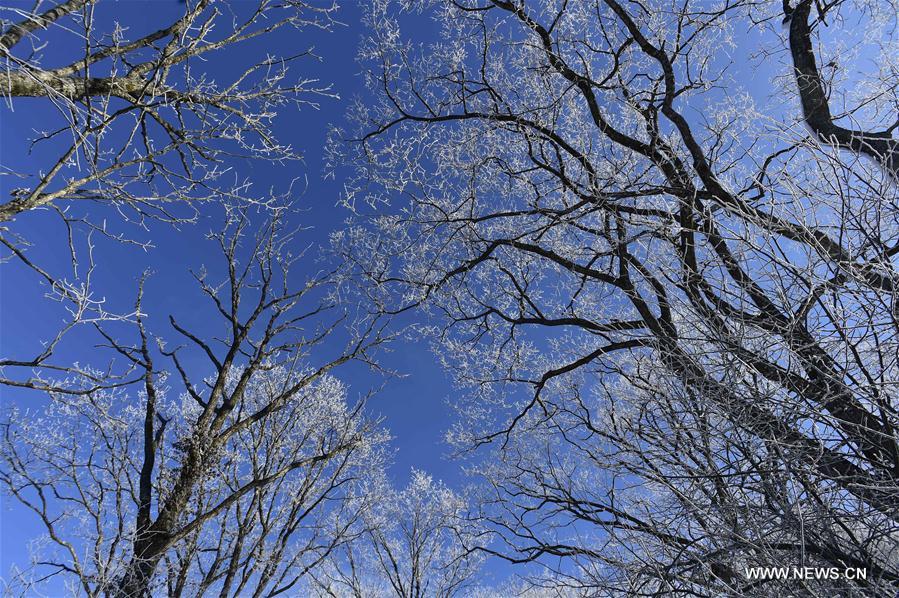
point(36, 83)
point(878, 145)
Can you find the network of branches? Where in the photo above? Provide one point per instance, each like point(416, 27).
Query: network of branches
point(658, 239)
point(652, 241)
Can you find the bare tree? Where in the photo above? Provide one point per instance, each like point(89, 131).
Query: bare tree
point(236, 477)
point(413, 546)
point(143, 124)
point(137, 124)
point(674, 309)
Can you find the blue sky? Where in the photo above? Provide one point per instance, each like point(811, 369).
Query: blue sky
point(414, 406)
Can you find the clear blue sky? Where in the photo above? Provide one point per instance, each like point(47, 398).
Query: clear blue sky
point(414, 407)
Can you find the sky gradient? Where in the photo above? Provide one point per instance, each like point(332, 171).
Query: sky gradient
point(414, 405)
